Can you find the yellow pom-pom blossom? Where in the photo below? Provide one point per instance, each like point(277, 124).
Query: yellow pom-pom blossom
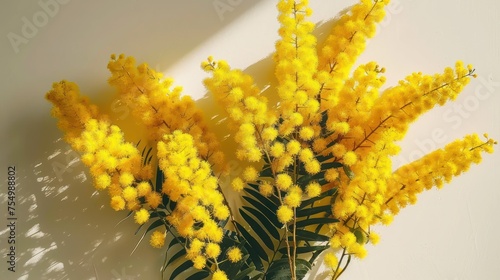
point(157, 239)
point(126, 179)
point(349, 158)
point(199, 262)
point(160, 107)
point(112, 160)
point(374, 238)
point(277, 149)
point(434, 169)
point(343, 46)
point(212, 250)
point(338, 150)
point(117, 203)
point(283, 181)
point(143, 188)
point(331, 174)
point(141, 216)
point(238, 184)
point(219, 275)
point(153, 199)
point(293, 197)
point(73, 111)
point(102, 181)
point(133, 205)
point(247, 108)
point(250, 174)
point(221, 212)
point(285, 214)
point(234, 254)
point(313, 189)
point(306, 133)
point(129, 193)
point(196, 193)
point(331, 260)
point(296, 62)
point(347, 239)
point(195, 248)
point(293, 147)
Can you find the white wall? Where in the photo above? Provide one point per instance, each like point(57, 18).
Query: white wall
point(66, 231)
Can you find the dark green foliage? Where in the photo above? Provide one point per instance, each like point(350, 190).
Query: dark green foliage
point(265, 235)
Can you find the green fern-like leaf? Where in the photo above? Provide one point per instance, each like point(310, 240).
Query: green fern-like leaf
point(199, 275)
point(266, 235)
point(256, 251)
point(306, 235)
point(280, 270)
point(269, 213)
point(268, 225)
point(187, 265)
point(177, 255)
point(306, 249)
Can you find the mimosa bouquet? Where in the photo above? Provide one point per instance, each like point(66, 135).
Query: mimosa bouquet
point(316, 149)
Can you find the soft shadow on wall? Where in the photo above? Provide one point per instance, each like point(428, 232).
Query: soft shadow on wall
point(150, 27)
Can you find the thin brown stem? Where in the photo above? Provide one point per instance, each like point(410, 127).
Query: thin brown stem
point(336, 272)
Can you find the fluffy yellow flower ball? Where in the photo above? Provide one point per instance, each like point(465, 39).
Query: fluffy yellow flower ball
point(234, 254)
point(212, 250)
point(285, 214)
point(141, 216)
point(219, 275)
point(117, 203)
point(157, 239)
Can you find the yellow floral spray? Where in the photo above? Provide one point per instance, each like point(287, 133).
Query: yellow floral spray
point(317, 163)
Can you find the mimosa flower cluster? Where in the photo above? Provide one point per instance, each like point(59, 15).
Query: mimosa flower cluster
point(115, 165)
point(317, 151)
